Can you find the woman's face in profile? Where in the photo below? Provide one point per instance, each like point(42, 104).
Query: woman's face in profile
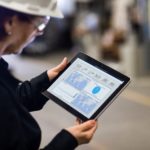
point(23, 33)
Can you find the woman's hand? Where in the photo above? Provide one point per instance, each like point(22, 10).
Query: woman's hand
point(52, 73)
point(83, 132)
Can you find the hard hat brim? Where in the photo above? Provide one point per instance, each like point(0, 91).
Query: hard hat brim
point(33, 10)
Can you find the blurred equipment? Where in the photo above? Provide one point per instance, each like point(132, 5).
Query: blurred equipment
point(110, 43)
point(85, 32)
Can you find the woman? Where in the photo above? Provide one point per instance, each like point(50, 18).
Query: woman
point(20, 22)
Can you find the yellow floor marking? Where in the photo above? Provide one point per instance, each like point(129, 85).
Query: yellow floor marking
point(136, 97)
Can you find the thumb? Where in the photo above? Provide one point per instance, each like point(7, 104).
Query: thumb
point(54, 71)
point(61, 66)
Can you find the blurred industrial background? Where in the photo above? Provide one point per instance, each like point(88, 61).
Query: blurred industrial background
point(116, 32)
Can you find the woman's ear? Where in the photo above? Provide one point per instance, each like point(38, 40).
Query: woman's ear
point(9, 25)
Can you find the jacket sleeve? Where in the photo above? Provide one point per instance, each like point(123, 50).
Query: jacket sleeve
point(30, 92)
point(62, 141)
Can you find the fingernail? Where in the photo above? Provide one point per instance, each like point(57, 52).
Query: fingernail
point(93, 122)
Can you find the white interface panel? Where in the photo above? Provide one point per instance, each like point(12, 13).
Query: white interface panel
point(84, 87)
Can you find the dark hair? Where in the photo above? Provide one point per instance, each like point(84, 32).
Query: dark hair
point(6, 14)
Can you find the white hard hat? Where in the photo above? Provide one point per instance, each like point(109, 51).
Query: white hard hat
point(34, 7)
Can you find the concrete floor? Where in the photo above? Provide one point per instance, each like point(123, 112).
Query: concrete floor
point(125, 125)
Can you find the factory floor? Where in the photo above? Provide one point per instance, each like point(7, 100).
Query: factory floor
point(125, 125)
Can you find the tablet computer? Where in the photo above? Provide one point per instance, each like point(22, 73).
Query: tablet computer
point(86, 87)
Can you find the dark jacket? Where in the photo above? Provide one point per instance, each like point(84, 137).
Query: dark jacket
point(18, 129)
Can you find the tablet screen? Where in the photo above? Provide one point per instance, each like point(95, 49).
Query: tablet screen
point(84, 87)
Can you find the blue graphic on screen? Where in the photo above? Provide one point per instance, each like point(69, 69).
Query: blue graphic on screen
point(84, 103)
point(96, 90)
point(77, 80)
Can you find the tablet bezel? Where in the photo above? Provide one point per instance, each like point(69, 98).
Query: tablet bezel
point(107, 102)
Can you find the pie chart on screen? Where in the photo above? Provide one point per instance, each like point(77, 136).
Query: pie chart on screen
point(96, 90)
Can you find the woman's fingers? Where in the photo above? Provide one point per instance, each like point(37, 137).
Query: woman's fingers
point(87, 125)
point(78, 121)
point(90, 132)
point(83, 132)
